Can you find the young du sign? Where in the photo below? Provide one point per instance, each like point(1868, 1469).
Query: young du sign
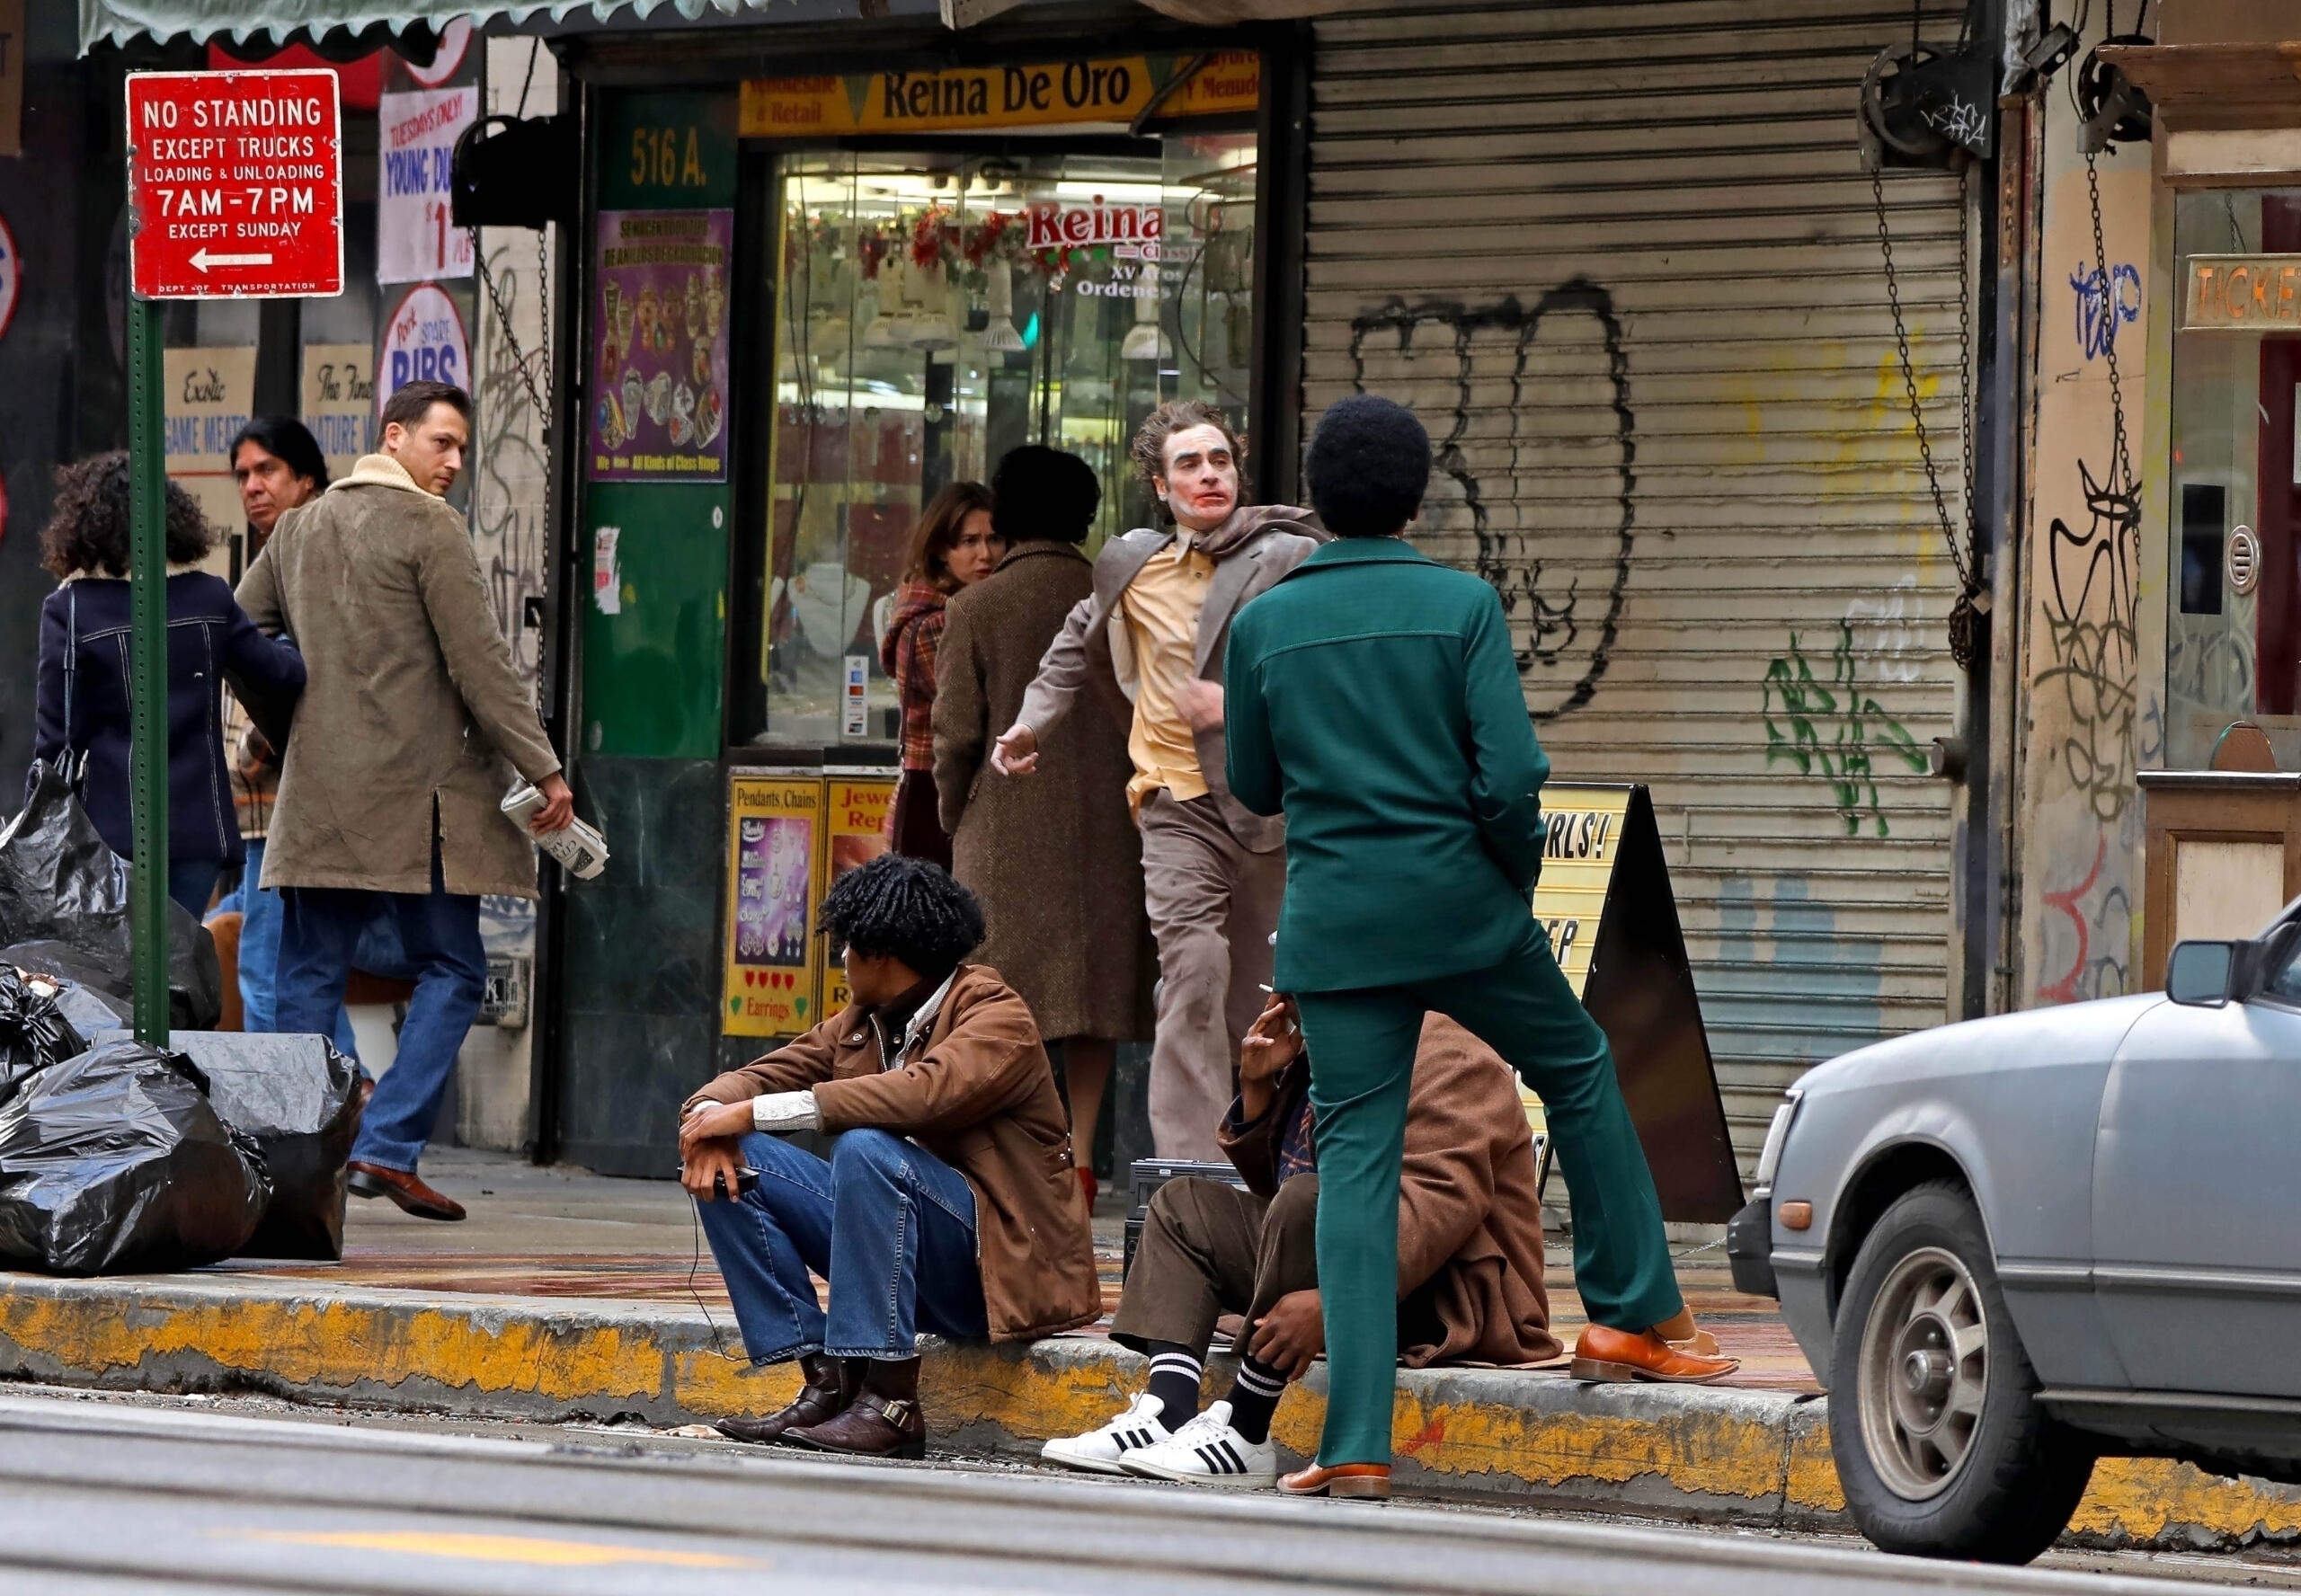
point(235, 185)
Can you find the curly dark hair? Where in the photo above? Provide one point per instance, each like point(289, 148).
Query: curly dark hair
point(88, 530)
point(1149, 450)
point(907, 907)
point(1367, 466)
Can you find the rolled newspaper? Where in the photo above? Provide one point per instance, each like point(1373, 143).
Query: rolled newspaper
point(577, 845)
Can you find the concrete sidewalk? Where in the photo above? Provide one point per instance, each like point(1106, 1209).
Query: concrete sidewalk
point(567, 1295)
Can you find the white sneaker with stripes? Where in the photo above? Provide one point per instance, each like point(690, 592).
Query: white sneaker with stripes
point(1207, 1452)
point(1099, 1450)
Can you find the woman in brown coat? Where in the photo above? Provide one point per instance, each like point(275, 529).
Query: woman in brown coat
point(953, 547)
point(1056, 860)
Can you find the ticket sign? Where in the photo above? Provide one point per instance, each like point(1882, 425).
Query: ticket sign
point(773, 831)
point(855, 833)
point(1605, 899)
point(235, 185)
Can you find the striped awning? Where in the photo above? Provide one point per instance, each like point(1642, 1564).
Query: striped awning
point(286, 21)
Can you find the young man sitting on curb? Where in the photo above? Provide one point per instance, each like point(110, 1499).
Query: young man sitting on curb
point(1469, 1256)
point(949, 1203)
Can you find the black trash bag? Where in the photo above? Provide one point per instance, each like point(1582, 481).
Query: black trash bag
point(60, 883)
point(79, 991)
point(33, 1032)
point(299, 1099)
point(115, 1162)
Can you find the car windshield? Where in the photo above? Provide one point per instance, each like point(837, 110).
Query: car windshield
point(2284, 982)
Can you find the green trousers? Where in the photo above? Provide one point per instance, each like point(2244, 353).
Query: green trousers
point(1362, 1045)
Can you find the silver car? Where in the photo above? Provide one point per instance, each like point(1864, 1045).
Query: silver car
point(2012, 1246)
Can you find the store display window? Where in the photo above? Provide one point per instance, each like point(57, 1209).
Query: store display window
point(936, 310)
point(2233, 642)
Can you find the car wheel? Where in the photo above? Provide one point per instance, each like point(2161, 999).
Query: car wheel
point(1942, 1447)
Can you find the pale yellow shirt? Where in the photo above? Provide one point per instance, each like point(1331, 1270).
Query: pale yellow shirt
point(1161, 606)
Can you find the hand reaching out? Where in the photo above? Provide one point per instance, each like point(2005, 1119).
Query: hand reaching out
point(1017, 752)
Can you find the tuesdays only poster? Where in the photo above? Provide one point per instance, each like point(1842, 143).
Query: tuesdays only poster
point(659, 346)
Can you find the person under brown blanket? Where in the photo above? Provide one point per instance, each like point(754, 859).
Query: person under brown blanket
point(1469, 1256)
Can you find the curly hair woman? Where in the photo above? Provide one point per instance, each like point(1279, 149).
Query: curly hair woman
point(82, 701)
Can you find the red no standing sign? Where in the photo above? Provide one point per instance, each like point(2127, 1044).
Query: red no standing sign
point(235, 185)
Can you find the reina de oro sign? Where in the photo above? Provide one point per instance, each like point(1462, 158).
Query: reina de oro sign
point(235, 185)
point(971, 99)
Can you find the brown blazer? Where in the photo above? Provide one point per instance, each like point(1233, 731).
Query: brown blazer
point(1055, 857)
point(1470, 1219)
point(411, 700)
point(979, 1095)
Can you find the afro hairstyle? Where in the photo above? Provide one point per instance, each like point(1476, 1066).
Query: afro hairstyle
point(907, 907)
point(1044, 494)
point(1367, 467)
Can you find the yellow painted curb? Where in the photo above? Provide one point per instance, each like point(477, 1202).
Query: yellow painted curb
point(1746, 1456)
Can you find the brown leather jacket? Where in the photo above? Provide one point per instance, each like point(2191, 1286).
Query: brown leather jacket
point(1470, 1219)
point(979, 1095)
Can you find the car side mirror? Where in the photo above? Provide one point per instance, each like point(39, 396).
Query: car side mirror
point(2202, 973)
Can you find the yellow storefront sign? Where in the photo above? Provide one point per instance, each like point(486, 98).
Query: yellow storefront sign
point(966, 99)
point(855, 833)
point(775, 826)
point(1585, 826)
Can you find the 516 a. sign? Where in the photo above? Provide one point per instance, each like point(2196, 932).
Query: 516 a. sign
point(235, 185)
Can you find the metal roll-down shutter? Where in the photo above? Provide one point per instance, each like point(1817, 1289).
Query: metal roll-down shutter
point(1624, 260)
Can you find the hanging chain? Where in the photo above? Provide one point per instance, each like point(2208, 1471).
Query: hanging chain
point(520, 360)
point(2119, 463)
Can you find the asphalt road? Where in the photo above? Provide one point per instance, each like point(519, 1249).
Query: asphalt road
point(109, 1497)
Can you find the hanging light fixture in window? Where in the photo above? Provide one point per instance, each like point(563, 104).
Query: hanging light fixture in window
point(1000, 337)
point(887, 309)
point(932, 327)
point(1147, 340)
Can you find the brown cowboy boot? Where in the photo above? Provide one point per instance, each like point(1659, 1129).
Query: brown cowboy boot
point(831, 1385)
point(883, 1422)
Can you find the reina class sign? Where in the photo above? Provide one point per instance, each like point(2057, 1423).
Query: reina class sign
point(971, 99)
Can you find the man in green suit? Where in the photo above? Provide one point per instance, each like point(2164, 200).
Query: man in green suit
point(1372, 696)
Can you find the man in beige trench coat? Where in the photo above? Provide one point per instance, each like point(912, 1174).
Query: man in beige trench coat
point(411, 725)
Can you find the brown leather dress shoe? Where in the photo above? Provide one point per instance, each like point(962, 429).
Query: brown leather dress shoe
point(1367, 1481)
point(872, 1426)
point(1601, 1353)
point(403, 1187)
point(831, 1385)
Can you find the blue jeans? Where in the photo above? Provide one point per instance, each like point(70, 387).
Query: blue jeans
point(438, 932)
point(888, 1224)
point(260, 912)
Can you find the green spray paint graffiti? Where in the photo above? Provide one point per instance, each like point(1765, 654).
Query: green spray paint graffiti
point(1834, 728)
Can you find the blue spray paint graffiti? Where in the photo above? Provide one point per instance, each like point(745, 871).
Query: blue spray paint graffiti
point(2104, 304)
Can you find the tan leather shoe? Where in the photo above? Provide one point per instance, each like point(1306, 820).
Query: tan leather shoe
point(1370, 1481)
point(403, 1187)
point(1601, 1353)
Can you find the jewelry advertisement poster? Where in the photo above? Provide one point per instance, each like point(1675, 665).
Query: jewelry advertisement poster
point(659, 371)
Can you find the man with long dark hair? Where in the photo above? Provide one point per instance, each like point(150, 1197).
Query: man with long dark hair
point(278, 466)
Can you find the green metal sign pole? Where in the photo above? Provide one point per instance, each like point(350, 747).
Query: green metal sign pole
point(148, 653)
